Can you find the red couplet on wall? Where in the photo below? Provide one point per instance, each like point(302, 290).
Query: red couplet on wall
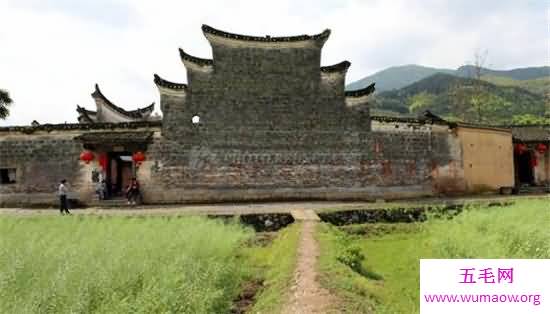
point(534, 161)
point(103, 161)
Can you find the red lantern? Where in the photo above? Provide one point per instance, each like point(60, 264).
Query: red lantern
point(86, 156)
point(138, 157)
point(103, 161)
point(520, 148)
point(541, 148)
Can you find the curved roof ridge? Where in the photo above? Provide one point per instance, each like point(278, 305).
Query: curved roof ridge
point(216, 32)
point(98, 94)
point(200, 61)
point(84, 110)
point(138, 113)
point(165, 83)
point(143, 110)
point(84, 114)
point(361, 92)
point(339, 67)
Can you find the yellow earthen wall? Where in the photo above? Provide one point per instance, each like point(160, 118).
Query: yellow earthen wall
point(488, 158)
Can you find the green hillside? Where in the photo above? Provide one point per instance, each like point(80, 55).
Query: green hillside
point(539, 86)
point(400, 76)
point(520, 74)
point(464, 99)
point(397, 77)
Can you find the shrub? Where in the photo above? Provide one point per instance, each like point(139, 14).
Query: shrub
point(352, 257)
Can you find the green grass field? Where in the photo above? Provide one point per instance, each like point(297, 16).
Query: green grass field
point(119, 265)
point(389, 282)
point(94, 264)
point(139, 265)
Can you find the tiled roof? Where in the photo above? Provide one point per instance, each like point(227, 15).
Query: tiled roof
point(361, 92)
point(81, 126)
point(164, 83)
point(531, 133)
point(340, 67)
point(200, 61)
point(210, 30)
point(115, 137)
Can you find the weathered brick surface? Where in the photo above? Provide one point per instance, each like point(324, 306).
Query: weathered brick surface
point(273, 125)
point(40, 163)
point(375, 160)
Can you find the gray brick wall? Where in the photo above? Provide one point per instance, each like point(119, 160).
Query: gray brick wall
point(272, 121)
point(40, 162)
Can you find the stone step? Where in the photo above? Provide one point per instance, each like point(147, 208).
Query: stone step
point(534, 189)
point(304, 214)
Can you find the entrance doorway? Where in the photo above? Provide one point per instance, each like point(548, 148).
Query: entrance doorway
point(524, 168)
point(119, 173)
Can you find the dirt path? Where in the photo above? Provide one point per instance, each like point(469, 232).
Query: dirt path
point(307, 296)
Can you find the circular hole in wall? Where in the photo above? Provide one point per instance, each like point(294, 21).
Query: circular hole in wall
point(195, 119)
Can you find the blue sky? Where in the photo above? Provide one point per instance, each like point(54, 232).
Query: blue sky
point(52, 52)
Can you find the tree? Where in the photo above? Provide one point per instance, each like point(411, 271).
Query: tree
point(5, 102)
point(459, 100)
point(421, 101)
point(494, 109)
point(477, 101)
point(469, 97)
point(529, 119)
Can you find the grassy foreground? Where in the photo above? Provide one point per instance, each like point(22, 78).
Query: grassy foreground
point(119, 265)
point(277, 262)
point(387, 280)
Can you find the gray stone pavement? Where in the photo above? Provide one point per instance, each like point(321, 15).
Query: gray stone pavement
point(259, 208)
point(194, 209)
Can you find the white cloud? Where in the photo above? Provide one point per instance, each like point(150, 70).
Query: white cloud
point(53, 52)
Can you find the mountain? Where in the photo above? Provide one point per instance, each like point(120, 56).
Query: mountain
point(520, 74)
point(401, 76)
point(457, 98)
point(397, 77)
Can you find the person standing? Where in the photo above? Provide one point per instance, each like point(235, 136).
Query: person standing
point(62, 190)
point(132, 193)
point(100, 189)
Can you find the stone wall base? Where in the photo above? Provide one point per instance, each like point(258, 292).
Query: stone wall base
point(182, 196)
point(285, 194)
point(28, 199)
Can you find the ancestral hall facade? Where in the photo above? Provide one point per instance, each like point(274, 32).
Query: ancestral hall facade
point(261, 120)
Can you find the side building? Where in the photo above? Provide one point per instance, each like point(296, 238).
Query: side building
point(532, 157)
